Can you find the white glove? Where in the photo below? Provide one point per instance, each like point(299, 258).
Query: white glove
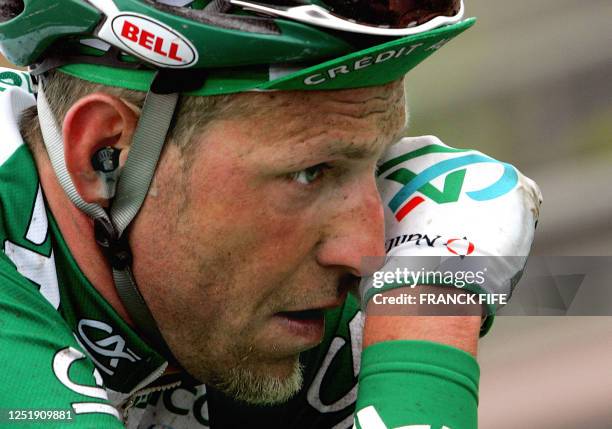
point(452, 205)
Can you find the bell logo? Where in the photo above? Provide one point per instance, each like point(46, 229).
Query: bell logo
point(146, 39)
point(153, 41)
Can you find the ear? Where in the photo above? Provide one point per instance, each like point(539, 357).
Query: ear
point(94, 122)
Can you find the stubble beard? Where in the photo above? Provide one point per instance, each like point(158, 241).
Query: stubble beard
point(244, 384)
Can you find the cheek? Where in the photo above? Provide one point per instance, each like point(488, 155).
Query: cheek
point(246, 213)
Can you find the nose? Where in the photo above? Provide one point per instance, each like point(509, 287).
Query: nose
point(356, 229)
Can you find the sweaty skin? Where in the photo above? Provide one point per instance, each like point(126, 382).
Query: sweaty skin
point(267, 212)
point(243, 240)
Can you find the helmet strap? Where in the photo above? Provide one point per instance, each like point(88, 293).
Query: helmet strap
point(110, 226)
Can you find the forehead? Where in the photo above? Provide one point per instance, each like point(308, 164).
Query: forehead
point(355, 103)
point(355, 116)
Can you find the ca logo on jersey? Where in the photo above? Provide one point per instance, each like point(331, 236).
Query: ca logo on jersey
point(110, 346)
point(405, 200)
point(62, 361)
point(316, 388)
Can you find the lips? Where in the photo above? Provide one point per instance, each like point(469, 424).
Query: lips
point(305, 326)
point(304, 315)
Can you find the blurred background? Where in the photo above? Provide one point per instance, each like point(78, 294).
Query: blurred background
point(531, 84)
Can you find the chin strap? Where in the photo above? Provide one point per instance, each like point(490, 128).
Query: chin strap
point(110, 225)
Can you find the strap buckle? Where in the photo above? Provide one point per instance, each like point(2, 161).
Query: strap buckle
point(116, 249)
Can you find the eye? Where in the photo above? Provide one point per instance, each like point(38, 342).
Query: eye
point(309, 175)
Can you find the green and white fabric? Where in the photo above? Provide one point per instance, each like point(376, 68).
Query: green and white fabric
point(457, 213)
point(64, 348)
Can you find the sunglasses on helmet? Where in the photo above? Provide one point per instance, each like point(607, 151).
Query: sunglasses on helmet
point(377, 17)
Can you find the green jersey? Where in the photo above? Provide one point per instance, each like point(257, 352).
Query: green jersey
point(68, 357)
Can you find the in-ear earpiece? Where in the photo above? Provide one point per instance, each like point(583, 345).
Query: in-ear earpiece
point(106, 163)
point(106, 160)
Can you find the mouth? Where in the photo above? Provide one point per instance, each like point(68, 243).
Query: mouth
point(307, 325)
point(303, 315)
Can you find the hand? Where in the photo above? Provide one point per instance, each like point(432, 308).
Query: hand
point(454, 204)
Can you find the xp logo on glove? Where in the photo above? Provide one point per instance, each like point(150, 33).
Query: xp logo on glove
point(404, 201)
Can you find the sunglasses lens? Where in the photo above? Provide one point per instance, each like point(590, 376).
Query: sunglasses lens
point(393, 13)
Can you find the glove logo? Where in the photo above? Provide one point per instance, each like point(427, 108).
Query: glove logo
point(405, 200)
point(460, 247)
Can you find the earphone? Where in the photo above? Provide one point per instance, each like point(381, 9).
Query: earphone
point(106, 160)
point(106, 164)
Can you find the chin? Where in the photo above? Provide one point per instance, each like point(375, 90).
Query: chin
point(261, 383)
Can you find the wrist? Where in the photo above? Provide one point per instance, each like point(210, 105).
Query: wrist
point(418, 383)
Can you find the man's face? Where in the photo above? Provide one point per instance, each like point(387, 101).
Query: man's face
point(266, 217)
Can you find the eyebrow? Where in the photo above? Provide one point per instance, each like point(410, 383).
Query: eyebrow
point(370, 150)
point(352, 151)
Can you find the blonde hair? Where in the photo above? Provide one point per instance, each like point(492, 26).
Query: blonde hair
point(191, 117)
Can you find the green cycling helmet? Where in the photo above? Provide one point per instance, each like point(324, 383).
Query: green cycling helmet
point(226, 46)
point(202, 47)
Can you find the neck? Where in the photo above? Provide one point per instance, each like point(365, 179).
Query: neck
point(78, 232)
